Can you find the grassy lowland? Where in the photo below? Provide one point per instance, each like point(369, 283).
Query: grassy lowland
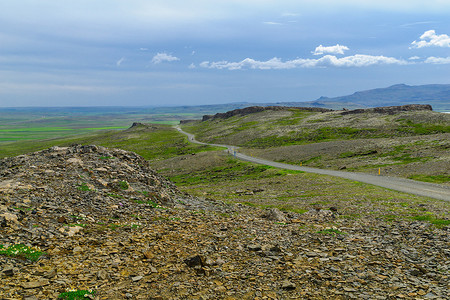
point(153, 142)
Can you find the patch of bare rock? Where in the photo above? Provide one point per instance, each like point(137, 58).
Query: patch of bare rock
point(109, 223)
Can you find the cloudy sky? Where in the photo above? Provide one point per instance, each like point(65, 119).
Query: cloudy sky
point(189, 52)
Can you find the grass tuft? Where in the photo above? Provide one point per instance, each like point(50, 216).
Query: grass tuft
point(432, 219)
point(21, 251)
point(75, 295)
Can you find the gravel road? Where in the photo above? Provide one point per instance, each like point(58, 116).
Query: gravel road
point(399, 184)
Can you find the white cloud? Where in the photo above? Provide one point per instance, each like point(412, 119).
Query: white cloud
point(414, 58)
point(288, 14)
point(161, 57)
point(438, 60)
point(337, 49)
point(275, 63)
point(272, 23)
point(120, 61)
point(431, 39)
point(407, 25)
point(192, 66)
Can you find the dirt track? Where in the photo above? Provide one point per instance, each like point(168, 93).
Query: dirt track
point(399, 184)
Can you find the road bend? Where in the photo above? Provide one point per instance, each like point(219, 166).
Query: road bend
point(426, 189)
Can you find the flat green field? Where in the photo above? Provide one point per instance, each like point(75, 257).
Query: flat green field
point(152, 141)
point(28, 124)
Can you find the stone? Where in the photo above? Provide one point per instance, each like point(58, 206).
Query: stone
point(311, 254)
point(8, 220)
point(35, 284)
point(62, 219)
point(274, 214)
point(8, 271)
point(50, 274)
point(74, 230)
point(75, 161)
point(254, 247)
point(194, 261)
point(287, 285)
point(102, 275)
point(136, 278)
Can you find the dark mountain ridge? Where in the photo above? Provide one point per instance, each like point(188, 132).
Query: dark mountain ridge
point(437, 95)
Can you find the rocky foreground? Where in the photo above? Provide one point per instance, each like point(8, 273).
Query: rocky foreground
point(108, 223)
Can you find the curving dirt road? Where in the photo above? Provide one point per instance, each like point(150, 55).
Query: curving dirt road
point(399, 184)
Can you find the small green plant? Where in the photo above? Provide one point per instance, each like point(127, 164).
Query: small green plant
point(106, 157)
point(77, 224)
point(432, 219)
point(124, 185)
point(23, 208)
point(297, 210)
point(149, 202)
point(115, 196)
point(84, 187)
point(145, 193)
point(280, 223)
point(21, 251)
point(390, 218)
point(75, 295)
point(114, 226)
point(331, 231)
point(350, 216)
point(431, 178)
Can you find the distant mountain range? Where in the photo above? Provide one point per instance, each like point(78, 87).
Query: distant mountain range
point(437, 95)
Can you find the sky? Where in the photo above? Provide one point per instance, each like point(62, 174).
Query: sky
point(196, 52)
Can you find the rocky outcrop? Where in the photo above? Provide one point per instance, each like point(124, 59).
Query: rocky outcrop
point(390, 110)
point(106, 221)
point(65, 172)
point(255, 109)
point(187, 121)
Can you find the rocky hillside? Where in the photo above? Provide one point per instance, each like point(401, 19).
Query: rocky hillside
point(255, 109)
point(407, 141)
point(92, 218)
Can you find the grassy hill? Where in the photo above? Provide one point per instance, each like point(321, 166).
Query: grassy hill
point(412, 144)
point(296, 126)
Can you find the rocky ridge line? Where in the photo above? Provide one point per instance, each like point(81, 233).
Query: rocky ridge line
point(255, 109)
point(390, 109)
